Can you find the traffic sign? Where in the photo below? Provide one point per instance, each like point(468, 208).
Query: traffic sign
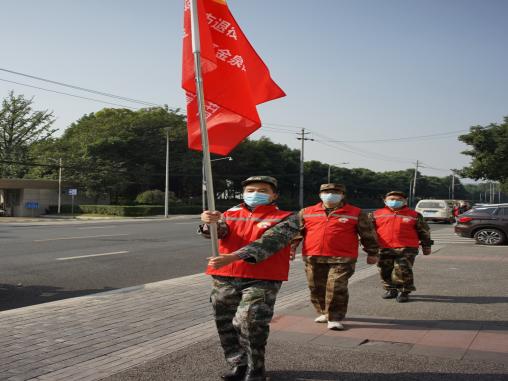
point(32, 205)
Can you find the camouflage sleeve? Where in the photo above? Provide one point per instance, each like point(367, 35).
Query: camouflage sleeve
point(222, 230)
point(273, 240)
point(367, 233)
point(423, 230)
point(299, 237)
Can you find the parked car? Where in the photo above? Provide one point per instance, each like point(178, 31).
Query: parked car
point(436, 210)
point(487, 224)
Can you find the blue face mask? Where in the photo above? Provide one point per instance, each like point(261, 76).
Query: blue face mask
point(331, 198)
point(394, 204)
point(254, 199)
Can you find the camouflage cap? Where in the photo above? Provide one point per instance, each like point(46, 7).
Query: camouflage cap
point(396, 193)
point(261, 179)
point(333, 186)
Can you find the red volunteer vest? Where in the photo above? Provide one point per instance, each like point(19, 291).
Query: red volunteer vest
point(334, 235)
point(246, 226)
point(396, 229)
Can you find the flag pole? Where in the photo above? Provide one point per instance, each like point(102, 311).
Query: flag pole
point(196, 51)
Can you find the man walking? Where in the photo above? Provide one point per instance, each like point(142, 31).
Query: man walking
point(400, 231)
point(331, 231)
point(245, 285)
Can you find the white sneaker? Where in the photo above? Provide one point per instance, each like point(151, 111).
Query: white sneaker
point(321, 319)
point(335, 325)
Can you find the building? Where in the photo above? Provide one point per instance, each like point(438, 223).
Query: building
point(30, 198)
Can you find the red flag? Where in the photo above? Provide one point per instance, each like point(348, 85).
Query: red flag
point(235, 79)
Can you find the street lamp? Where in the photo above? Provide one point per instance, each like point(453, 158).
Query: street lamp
point(329, 169)
point(166, 179)
point(223, 158)
point(203, 182)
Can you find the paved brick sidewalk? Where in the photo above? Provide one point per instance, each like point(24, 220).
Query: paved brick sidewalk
point(91, 337)
point(458, 314)
point(449, 339)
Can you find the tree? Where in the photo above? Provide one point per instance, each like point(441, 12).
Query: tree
point(489, 152)
point(114, 152)
point(20, 127)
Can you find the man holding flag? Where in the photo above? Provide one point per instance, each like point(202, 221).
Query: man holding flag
point(225, 80)
point(245, 285)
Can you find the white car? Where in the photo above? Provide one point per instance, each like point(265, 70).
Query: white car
point(436, 210)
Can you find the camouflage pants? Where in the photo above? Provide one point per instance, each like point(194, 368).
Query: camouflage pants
point(396, 270)
point(328, 287)
point(243, 309)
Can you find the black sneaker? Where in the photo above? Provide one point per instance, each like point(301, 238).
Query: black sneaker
point(403, 297)
point(390, 294)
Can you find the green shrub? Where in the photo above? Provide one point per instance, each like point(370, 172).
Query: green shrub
point(150, 197)
point(122, 210)
point(66, 209)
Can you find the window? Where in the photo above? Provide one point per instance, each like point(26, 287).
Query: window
point(503, 212)
point(431, 204)
point(482, 210)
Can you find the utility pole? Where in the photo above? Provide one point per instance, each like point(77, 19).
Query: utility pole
point(303, 139)
point(166, 193)
point(453, 185)
point(59, 185)
point(410, 192)
point(414, 183)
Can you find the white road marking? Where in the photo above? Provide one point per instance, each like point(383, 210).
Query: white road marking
point(98, 227)
point(91, 255)
point(464, 242)
point(82, 237)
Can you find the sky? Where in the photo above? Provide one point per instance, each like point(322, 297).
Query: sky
point(354, 71)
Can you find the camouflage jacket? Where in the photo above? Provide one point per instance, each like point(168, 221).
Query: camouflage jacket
point(273, 240)
point(291, 231)
point(423, 231)
point(365, 229)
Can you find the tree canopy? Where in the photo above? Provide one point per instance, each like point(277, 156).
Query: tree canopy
point(121, 153)
point(20, 127)
point(489, 152)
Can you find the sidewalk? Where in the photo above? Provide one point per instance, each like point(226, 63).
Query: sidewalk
point(85, 218)
point(455, 328)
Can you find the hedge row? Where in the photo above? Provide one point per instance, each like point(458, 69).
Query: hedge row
point(127, 211)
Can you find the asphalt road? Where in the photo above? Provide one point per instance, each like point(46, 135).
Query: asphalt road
point(41, 263)
point(46, 262)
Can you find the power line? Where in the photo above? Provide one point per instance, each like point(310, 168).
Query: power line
point(82, 88)
point(288, 127)
point(425, 137)
point(70, 95)
point(365, 153)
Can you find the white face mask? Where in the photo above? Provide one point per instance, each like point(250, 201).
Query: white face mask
point(254, 199)
point(331, 198)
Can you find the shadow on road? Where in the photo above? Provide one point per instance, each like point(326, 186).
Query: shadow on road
point(460, 299)
point(12, 296)
point(461, 325)
point(345, 376)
